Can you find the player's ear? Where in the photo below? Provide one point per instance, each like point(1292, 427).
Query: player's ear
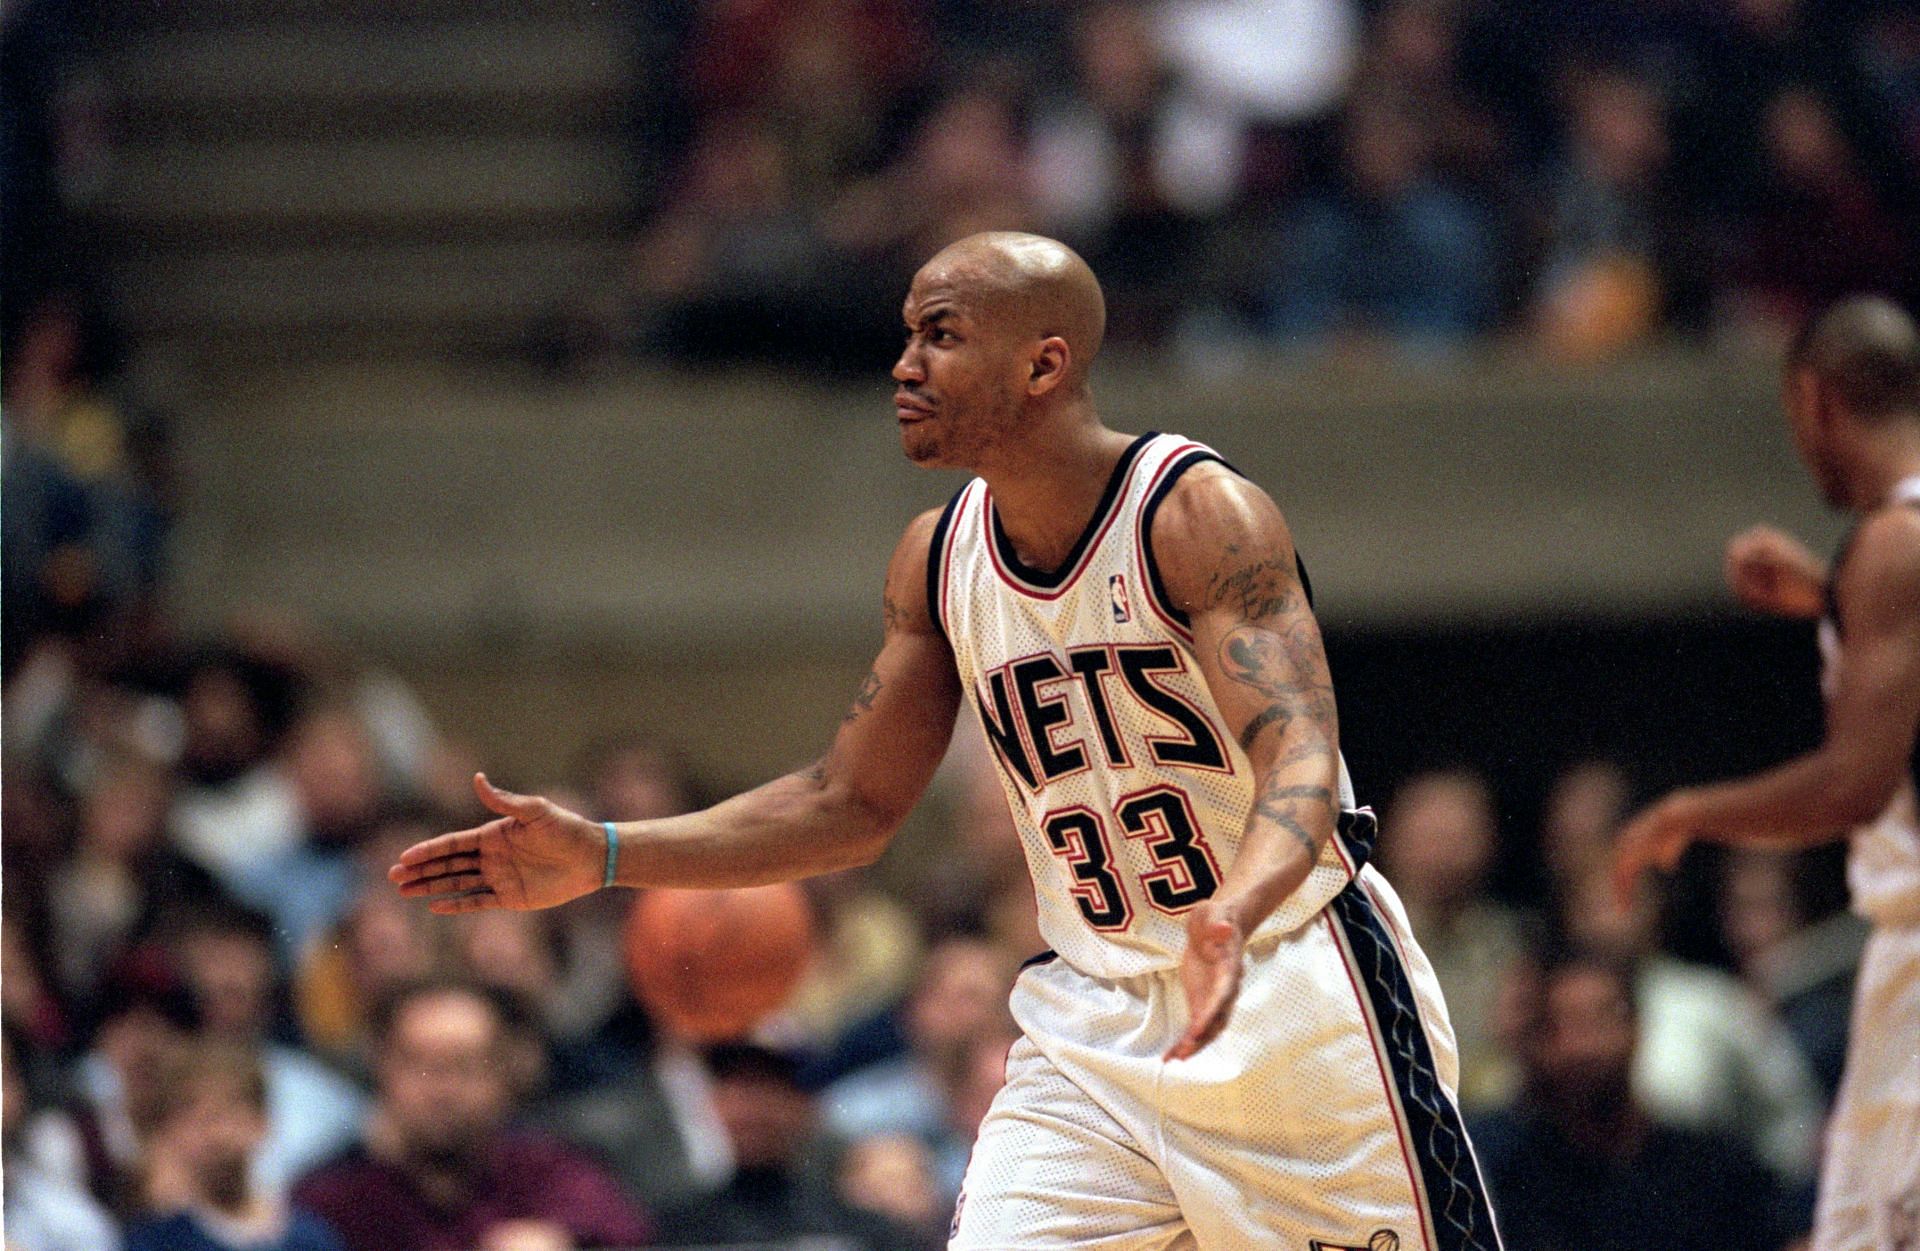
point(1049, 366)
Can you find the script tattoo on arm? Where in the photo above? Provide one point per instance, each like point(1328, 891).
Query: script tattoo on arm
point(863, 700)
point(1276, 652)
point(893, 613)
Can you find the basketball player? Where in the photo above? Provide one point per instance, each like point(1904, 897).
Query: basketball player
point(1238, 1043)
point(1853, 400)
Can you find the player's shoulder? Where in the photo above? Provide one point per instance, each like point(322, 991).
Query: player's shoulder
point(909, 591)
point(1883, 559)
point(1210, 505)
point(919, 531)
point(1888, 542)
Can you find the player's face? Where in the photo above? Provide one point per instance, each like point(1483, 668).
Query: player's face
point(1800, 396)
point(959, 376)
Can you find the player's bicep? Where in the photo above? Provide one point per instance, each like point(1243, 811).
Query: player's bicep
point(1227, 558)
point(1874, 715)
point(896, 728)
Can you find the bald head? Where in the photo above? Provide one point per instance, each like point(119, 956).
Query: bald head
point(1868, 351)
point(1028, 286)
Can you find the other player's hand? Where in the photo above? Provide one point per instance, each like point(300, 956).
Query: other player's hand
point(1654, 839)
point(536, 854)
point(1770, 571)
point(1209, 974)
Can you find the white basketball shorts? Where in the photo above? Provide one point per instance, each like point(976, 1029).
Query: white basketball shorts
point(1322, 1118)
point(1870, 1180)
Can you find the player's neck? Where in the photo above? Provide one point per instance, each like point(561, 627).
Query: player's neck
point(1047, 490)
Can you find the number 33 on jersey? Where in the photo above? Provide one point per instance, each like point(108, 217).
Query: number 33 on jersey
point(1128, 793)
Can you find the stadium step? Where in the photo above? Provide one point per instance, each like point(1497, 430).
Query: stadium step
point(346, 174)
point(247, 289)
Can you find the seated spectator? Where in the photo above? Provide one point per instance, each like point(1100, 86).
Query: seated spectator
point(1711, 1056)
point(962, 171)
point(208, 1127)
point(1393, 253)
point(780, 1188)
point(1437, 842)
point(593, 1023)
point(46, 1209)
point(380, 945)
point(867, 948)
point(655, 1123)
point(892, 1174)
point(441, 1167)
point(226, 956)
point(1126, 171)
point(333, 772)
point(733, 251)
point(1785, 919)
point(1611, 259)
point(118, 1082)
point(234, 809)
point(1584, 809)
point(961, 997)
point(1821, 230)
point(120, 877)
point(85, 527)
point(1581, 1162)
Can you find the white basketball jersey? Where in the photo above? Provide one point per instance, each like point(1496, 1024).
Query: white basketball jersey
point(1883, 858)
point(1128, 790)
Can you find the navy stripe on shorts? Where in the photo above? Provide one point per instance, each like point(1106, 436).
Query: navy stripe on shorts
point(1462, 1218)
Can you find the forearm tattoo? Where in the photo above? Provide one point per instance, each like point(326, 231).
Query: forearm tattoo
point(1282, 805)
point(1276, 652)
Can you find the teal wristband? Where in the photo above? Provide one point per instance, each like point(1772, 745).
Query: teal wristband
point(613, 853)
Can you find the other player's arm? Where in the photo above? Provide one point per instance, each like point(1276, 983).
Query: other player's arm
point(1871, 722)
point(1227, 560)
point(838, 812)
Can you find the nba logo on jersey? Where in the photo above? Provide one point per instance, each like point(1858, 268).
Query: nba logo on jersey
point(1382, 1240)
point(1117, 592)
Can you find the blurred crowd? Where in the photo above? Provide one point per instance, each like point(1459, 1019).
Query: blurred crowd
point(1322, 175)
point(225, 1029)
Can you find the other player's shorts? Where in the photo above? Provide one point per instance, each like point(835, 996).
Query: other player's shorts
point(1322, 1117)
point(1870, 1181)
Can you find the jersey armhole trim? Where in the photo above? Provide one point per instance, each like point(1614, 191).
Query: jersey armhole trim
point(937, 563)
point(1156, 586)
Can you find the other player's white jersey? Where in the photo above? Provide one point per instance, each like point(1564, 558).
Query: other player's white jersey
point(1883, 859)
point(1128, 789)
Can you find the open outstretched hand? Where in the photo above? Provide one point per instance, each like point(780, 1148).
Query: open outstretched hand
point(1209, 974)
point(535, 854)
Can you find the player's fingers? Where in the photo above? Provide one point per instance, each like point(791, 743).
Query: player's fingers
point(1198, 1034)
point(443, 884)
point(420, 856)
point(1626, 876)
point(1667, 855)
point(506, 803)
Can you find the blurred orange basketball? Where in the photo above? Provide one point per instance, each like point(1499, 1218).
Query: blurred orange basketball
point(711, 964)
